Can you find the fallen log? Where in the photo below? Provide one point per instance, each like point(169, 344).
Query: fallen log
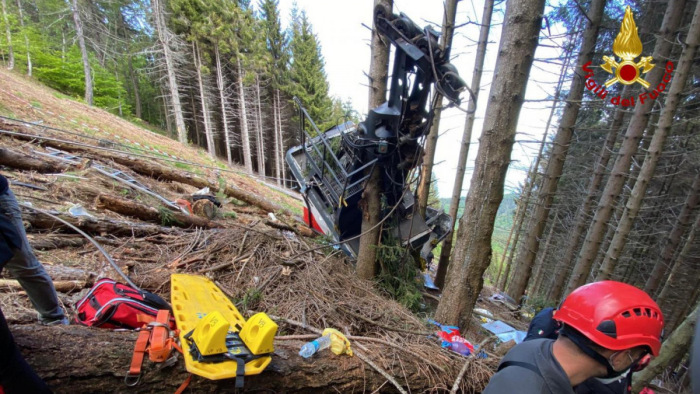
point(94, 226)
point(49, 242)
point(144, 212)
point(63, 286)
point(151, 169)
point(25, 162)
point(76, 359)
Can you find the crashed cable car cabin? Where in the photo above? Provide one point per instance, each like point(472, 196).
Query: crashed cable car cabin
point(332, 167)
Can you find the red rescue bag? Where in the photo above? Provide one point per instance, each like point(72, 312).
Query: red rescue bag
point(110, 304)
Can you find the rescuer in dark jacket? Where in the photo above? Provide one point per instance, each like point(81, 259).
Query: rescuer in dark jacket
point(606, 329)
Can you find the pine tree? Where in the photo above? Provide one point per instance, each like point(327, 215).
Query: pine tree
point(307, 75)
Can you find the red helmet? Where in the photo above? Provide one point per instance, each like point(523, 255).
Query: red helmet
point(613, 315)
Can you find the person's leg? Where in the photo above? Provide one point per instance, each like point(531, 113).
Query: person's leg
point(25, 267)
point(16, 376)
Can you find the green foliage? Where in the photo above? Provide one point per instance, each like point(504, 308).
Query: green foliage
point(307, 75)
point(66, 75)
point(251, 298)
point(166, 217)
point(398, 274)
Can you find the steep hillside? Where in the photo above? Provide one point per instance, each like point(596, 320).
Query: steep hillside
point(261, 263)
point(25, 99)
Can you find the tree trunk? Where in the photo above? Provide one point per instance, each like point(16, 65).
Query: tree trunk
point(560, 149)
point(371, 203)
point(87, 71)
point(26, 38)
point(25, 162)
point(208, 132)
point(540, 269)
point(677, 270)
point(466, 140)
point(519, 39)
point(276, 140)
point(677, 343)
point(281, 139)
point(656, 146)
point(10, 52)
point(505, 252)
point(448, 27)
point(563, 266)
point(164, 37)
point(96, 360)
point(674, 238)
point(245, 135)
point(135, 85)
point(635, 130)
point(222, 99)
point(260, 133)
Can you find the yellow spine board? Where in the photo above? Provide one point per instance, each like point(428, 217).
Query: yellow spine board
point(193, 297)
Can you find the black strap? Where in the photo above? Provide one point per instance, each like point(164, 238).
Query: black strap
point(240, 372)
point(520, 364)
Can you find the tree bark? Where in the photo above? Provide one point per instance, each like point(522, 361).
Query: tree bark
point(26, 38)
point(87, 71)
point(96, 360)
point(24, 162)
point(656, 146)
point(563, 266)
point(635, 130)
point(8, 33)
point(164, 38)
point(539, 266)
point(371, 203)
point(674, 238)
point(208, 131)
point(519, 39)
point(245, 135)
point(448, 27)
point(276, 140)
point(281, 139)
point(684, 257)
point(150, 214)
point(560, 149)
point(260, 133)
point(135, 85)
point(222, 99)
point(475, 86)
point(677, 343)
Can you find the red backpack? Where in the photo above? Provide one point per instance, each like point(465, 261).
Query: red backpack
point(110, 304)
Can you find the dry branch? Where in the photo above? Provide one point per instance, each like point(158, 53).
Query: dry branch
point(64, 286)
point(94, 226)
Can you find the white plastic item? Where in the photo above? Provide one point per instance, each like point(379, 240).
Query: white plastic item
point(310, 348)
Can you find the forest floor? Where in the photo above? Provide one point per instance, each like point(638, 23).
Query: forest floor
point(274, 265)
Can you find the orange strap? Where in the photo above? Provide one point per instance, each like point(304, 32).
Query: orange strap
point(184, 385)
point(133, 376)
point(158, 335)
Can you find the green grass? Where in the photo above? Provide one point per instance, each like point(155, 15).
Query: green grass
point(4, 111)
point(35, 104)
point(60, 95)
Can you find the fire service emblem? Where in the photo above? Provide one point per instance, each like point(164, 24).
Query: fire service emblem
point(627, 46)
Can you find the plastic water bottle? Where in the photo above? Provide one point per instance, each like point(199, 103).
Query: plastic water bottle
point(310, 348)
